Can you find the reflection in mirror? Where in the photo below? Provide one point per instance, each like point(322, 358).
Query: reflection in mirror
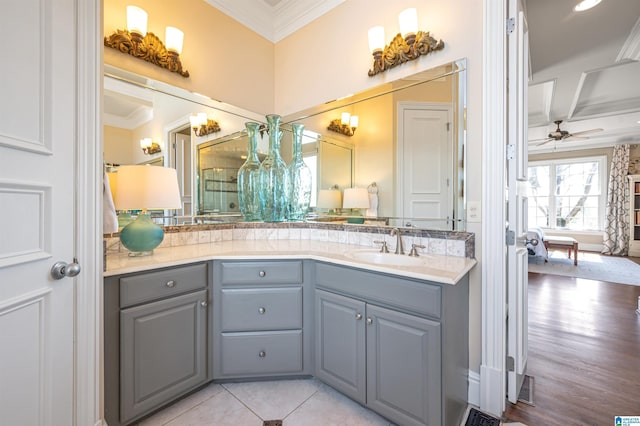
point(409, 141)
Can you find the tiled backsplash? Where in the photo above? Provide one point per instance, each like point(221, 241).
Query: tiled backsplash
point(451, 243)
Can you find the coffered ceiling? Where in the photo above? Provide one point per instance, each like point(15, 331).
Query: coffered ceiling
point(585, 71)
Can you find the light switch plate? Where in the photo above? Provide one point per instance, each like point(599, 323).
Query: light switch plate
point(474, 212)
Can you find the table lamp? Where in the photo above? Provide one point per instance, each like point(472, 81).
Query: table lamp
point(356, 199)
point(330, 199)
point(145, 188)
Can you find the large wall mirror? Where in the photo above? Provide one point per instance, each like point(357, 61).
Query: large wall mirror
point(409, 141)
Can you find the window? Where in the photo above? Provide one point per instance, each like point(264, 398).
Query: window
point(568, 193)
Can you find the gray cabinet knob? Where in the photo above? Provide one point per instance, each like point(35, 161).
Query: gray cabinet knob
point(262, 273)
point(261, 311)
point(369, 321)
point(358, 316)
point(171, 284)
point(262, 354)
point(204, 304)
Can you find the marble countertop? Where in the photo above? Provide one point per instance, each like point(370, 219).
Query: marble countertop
point(442, 269)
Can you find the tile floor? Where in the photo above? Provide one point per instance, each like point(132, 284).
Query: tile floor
point(296, 402)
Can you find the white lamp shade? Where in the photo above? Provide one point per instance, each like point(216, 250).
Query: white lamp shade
point(353, 121)
point(136, 20)
point(356, 198)
point(408, 20)
point(195, 121)
point(344, 118)
point(329, 199)
point(173, 39)
point(376, 38)
point(146, 143)
point(202, 118)
point(147, 188)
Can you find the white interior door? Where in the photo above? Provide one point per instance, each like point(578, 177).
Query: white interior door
point(37, 134)
point(424, 163)
point(517, 256)
point(181, 161)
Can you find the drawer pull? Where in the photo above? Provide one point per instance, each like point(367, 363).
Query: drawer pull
point(369, 321)
point(171, 284)
point(261, 311)
point(204, 304)
point(262, 354)
point(358, 316)
point(262, 273)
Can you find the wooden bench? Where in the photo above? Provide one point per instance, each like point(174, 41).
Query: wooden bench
point(568, 243)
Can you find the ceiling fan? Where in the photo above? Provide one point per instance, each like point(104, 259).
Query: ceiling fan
point(563, 135)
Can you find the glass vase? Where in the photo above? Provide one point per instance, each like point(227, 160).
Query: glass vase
point(274, 179)
point(299, 179)
point(249, 178)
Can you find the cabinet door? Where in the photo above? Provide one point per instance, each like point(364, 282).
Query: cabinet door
point(340, 344)
point(403, 367)
point(163, 352)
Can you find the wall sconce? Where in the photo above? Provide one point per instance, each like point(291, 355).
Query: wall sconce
point(202, 125)
point(407, 45)
point(346, 125)
point(149, 146)
point(137, 42)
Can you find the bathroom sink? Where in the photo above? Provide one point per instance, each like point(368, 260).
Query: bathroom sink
point(391, 259)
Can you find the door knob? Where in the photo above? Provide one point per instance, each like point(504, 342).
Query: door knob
point(533, 242)
point(59, 270)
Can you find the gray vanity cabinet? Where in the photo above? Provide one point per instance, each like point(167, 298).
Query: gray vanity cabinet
point(260, 319)
point(156, 339)
point(397, 345)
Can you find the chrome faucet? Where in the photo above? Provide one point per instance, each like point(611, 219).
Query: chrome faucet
point(399, 247)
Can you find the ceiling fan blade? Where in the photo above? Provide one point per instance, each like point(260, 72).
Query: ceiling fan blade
point(575, 138)
point(544, 141)
point(586, 132)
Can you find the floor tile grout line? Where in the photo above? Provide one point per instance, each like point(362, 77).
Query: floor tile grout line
point(242, 402)
point(301, 404)
point(192, 407)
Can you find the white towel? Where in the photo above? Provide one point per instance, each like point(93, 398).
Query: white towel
point(372, 211)
point(109, 217)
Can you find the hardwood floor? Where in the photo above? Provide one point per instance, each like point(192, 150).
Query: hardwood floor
point(584, 352)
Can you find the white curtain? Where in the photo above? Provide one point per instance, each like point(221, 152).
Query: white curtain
point(616, 225)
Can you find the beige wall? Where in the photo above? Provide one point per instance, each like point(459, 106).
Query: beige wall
point(226, 60)
point(118, 146)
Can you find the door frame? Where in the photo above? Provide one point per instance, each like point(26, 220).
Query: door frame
point(88, 227)
point(494, 279)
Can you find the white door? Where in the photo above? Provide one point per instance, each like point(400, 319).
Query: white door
point(424, 164)
point(37, 134)
point(517, 256)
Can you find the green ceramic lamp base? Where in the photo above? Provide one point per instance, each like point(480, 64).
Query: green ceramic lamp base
point(141, 236)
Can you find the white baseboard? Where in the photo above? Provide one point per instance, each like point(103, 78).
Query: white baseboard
point(473, 397)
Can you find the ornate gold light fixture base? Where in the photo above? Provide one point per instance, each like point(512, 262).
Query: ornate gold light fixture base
point(149, 48)
point(337, 126)
point(153, 149)
point(400, 51)
point(212, 126)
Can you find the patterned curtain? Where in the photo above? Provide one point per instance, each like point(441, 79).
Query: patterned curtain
point(616, 225)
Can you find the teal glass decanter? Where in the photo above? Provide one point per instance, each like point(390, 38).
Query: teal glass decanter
point(274, 179)
point(249, 178)
point(299, 179)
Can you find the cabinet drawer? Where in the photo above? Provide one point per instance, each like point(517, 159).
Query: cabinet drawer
point(272, 352)
point(285, 272)
point(404, 293)
point(261, 309)
point(157, 285)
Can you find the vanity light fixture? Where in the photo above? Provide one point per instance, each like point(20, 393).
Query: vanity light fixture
point(137, 42)
point(202, 125)
point(149, 147)
point(346, 124)
point(407, 45)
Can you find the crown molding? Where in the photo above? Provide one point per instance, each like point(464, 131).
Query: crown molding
point(631, 48)
point(274, 22)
